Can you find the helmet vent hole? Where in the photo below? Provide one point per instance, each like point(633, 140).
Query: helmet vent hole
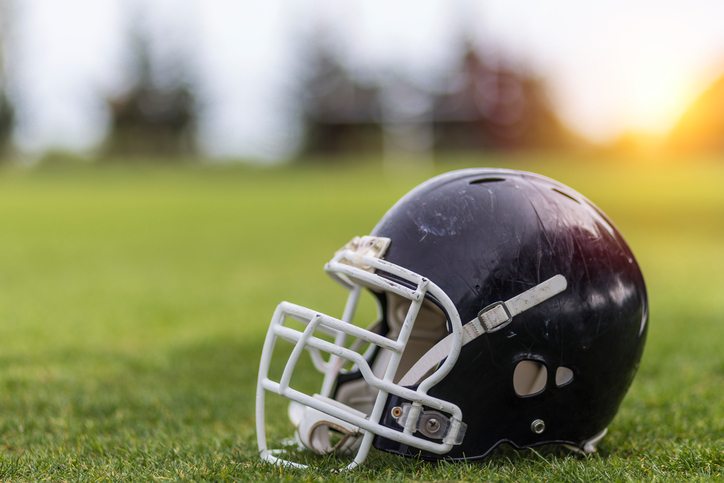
point(563, 193)
point(564, 376)
point(529, 378)
point(486, 180)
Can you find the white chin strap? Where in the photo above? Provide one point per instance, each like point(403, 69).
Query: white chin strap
point(314, 428)
point(491, 319)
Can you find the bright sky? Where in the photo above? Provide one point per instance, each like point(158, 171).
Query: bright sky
point(612, 66)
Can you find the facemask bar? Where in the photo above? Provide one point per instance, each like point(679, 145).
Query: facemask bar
point(356, 269)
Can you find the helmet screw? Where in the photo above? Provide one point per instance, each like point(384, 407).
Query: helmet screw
point(432, 425)
point(396, 412)
point(538, 426)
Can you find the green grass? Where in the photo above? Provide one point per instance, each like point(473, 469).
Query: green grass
point(133, 303)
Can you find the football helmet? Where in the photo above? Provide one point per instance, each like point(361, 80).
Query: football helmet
point(510, 310)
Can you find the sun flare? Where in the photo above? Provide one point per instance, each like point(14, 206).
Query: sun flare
point(657, 98)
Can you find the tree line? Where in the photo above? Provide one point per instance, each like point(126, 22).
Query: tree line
point(484, 102)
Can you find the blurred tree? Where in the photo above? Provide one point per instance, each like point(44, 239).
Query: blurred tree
point(6, 109)
point(485, 105)
point(494, 106)
point(152, 117)
point(701, 128)
point(6, 124)
point(339, 113)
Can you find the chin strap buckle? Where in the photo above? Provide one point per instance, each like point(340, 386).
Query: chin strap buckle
point(495, 316)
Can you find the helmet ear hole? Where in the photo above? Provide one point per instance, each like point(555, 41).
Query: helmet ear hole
point(564, 376)
point(529, 378)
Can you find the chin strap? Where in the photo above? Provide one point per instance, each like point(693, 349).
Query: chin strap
point(315, 429)
point(492, 318)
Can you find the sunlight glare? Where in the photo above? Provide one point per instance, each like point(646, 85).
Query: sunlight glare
point(657, 97)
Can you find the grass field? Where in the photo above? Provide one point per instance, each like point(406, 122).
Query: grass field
point(133, 304)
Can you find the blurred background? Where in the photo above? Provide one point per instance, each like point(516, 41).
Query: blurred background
point(170, 170)
point(276, 81)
